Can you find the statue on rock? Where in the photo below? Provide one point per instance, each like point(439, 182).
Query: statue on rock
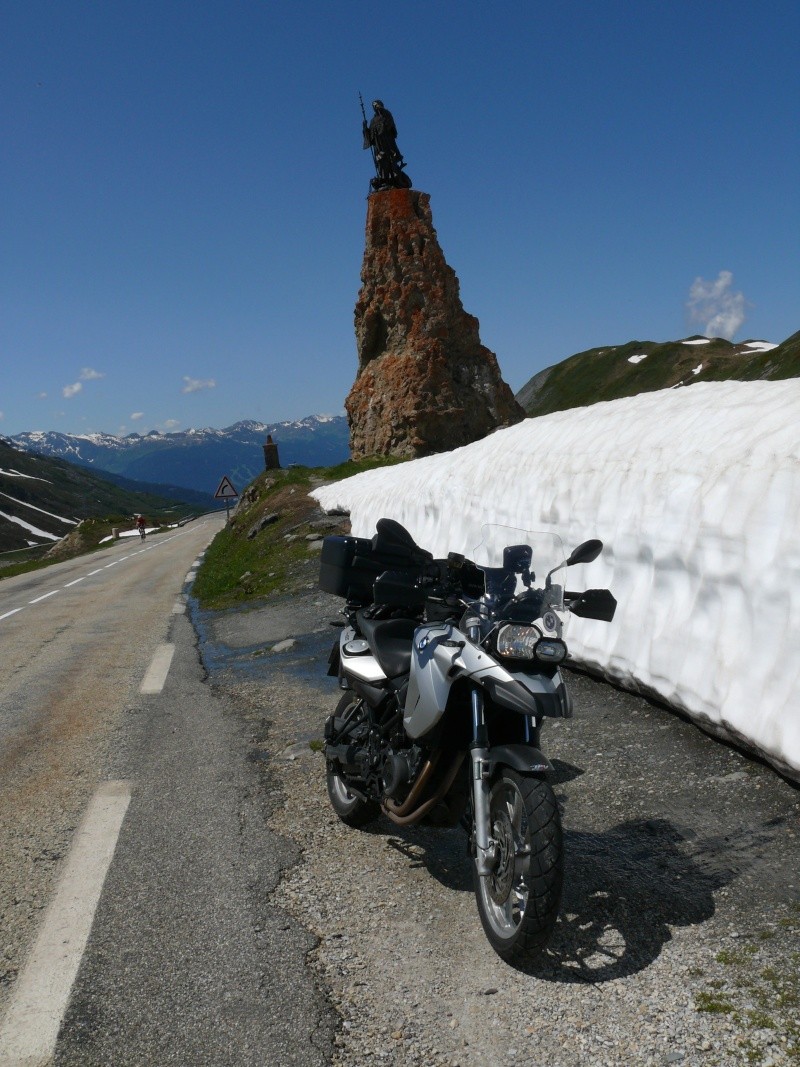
point(425, 383)
point(380, 135)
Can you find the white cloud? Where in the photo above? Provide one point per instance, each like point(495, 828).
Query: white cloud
point(193, 385)
point(715, 306)
point(41, 396)
point(137, 415)
point(89, 375)
point(170, 424)
point(71, 390)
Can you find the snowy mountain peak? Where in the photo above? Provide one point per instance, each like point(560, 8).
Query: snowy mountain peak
point(197, 458)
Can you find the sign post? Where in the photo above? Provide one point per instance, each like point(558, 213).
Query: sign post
point(225, 491)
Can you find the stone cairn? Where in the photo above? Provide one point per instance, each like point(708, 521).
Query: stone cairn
point(271, 459)
point(425, 382)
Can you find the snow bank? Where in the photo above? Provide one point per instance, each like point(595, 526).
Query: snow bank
point(696, 495)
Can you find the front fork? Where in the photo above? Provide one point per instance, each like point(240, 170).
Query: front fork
point(485, 846)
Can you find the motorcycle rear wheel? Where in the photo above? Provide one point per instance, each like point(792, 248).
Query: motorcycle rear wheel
point(350, 808)
point(518, 903)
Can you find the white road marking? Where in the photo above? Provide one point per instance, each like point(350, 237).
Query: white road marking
point(39, 998)
point(70, 584)
point(46, 595)
point(10, 613)
point(112, 564)
point(89, 575)
point(158, 670)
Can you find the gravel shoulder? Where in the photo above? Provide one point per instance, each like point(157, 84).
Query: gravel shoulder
point(679, 938)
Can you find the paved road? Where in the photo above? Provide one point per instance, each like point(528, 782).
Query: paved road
point(180, 962)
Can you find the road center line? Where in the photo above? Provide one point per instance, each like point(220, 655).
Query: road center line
point(39, 599)
point(158, 670)
point(39, 999)
point(8, 614)
point(83, 579)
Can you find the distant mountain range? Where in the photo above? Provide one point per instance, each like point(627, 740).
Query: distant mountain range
point(611, 372)
point(43, 499)
point(198, 459)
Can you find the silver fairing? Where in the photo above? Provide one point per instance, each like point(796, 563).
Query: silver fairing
point(361, 664)
point(432, 661)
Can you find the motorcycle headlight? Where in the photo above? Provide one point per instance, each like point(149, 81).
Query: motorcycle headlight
point(517, 642)
point(550, 650)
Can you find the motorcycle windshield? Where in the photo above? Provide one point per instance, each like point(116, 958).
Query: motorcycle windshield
point(516, 562)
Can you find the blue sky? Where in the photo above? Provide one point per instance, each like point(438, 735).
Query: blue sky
point(183, 189)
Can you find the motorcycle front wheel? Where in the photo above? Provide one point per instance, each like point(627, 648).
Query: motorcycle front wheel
point(350, 808)
point(518, 902)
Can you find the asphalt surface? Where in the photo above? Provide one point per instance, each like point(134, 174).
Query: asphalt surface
point(186, 962)
point(240, 923)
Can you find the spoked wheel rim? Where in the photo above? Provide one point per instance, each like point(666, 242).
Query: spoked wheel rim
point(505, 892)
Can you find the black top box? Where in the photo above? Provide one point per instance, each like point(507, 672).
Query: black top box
point(350, 565)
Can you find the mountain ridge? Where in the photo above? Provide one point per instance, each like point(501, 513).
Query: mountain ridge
point(610, 372)
point(198, 458)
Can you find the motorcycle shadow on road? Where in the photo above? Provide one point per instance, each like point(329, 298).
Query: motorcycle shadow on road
point(624, 889)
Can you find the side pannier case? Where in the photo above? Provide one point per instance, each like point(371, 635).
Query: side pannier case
point(350, 565)
point(339, 574)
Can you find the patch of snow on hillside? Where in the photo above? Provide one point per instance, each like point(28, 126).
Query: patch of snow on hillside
point(32, 507)
point(637, 359)
point(19, 474)
point(697, 498)
point(697, 369)
point(760, 346)
point(27, 526)
point(699, 341)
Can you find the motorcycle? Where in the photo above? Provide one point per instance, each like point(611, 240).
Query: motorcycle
point(448, 669)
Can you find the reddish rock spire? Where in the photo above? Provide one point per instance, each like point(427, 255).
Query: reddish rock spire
point(425, 382)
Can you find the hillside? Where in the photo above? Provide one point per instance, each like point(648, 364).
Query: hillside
point(275, 535)
point(609, 373)
point(197, 459)
point(43, 500)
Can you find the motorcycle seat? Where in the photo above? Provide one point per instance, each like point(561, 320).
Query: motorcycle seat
point(390, 641)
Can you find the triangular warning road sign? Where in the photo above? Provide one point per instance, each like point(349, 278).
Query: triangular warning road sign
point(225, 490)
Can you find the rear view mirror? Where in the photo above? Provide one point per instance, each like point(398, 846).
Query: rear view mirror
point(586, 553)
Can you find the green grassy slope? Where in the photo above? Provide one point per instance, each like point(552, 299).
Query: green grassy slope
point(606, 373)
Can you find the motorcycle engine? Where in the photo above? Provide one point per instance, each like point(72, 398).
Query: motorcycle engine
point(399, 770)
